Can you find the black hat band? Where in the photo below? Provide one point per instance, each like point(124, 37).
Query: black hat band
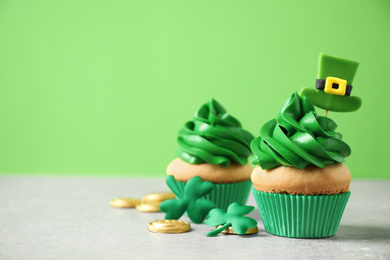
point(320, 84)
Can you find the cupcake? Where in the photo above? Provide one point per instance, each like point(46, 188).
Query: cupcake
point(301, 184)
point(215, 147)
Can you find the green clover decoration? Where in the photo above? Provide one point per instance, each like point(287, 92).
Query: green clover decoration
point(234, 216)
point(190, 200)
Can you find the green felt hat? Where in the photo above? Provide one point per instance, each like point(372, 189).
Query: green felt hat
point(334, 85)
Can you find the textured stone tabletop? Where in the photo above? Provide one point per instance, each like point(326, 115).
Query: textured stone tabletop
point(70, 218)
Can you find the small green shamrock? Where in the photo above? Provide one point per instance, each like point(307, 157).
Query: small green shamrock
point(190, 200)
point(233, 217)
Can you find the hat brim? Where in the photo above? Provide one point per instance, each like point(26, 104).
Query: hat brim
point(331, 102)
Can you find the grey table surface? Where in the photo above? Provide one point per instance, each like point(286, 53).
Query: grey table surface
point(70, 218)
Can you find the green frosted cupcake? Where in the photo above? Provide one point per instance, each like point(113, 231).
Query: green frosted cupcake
point(301, 184)
point(215, 147)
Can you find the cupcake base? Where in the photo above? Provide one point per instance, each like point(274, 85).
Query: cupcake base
point(226, 193)
point(301, 216)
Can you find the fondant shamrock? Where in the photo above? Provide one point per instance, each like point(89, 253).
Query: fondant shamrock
point(233, 217)
point(189, 200)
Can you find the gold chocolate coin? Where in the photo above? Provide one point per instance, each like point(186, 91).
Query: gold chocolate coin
point(148, 206)
point(124, 202)
point(169, 226)
point(158, 197)
point(230, 230)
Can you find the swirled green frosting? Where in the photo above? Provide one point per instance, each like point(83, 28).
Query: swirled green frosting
point(215, 137)
point(298, 137)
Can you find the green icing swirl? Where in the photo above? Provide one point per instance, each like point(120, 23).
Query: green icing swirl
point(298, 137)
point(215, 137)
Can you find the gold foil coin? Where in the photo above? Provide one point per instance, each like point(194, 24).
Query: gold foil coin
point(124, 202)
point(148, 206)
point(230, 230)
point(158, 197)
point(169, 226)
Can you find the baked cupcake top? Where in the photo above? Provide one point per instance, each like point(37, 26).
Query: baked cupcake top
point(215, 137)
point(298, 137)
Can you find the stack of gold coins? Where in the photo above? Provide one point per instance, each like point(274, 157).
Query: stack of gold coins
point(158, 197)
point(151, 202)
point(146, 207)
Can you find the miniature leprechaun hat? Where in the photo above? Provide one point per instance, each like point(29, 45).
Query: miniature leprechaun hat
point(334, 85)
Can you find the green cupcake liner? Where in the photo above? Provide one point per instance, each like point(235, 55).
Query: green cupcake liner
point(225, 194)
point(301, 216)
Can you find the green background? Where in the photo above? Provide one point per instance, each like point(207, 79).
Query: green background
point(102, 87)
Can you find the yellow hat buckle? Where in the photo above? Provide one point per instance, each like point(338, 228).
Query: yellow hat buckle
point(335, 86)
